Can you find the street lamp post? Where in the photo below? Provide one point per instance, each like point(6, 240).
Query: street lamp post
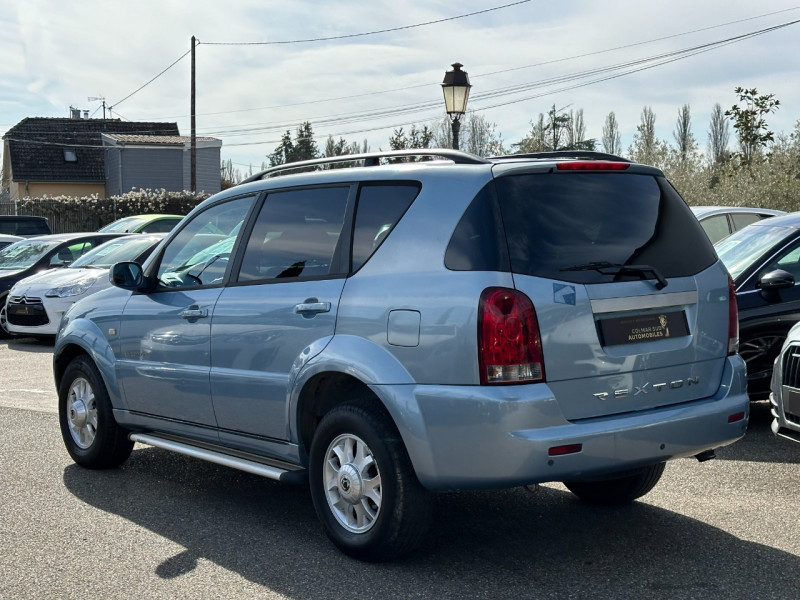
point(456, 93)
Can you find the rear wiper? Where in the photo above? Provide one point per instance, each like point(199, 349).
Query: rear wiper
point(616, 269)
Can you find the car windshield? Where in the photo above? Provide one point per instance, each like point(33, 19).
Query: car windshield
point(22, 255)
point(126, 224)
point(118, 250)
point(741, 249)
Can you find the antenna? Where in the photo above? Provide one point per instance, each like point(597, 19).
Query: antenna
point(100, 98)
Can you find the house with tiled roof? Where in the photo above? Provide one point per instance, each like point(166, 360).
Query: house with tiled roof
point(80, 157)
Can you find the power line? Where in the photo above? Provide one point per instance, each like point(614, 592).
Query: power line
point(141, 87)
point(355, 35)
point(631, 66)
point(512, 69)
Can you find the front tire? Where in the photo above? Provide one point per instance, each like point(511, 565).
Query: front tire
point(618, 490)
point(363, 485)
point(90, 432)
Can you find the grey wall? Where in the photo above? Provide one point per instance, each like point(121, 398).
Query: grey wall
point(131, 168)
point(208, 170)
point(153, 168)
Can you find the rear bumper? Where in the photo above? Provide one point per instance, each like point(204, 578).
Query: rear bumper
point(482, 437)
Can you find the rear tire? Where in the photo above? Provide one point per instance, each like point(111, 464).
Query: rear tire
point(90, 432)
point(363, 485)
point(618, 490)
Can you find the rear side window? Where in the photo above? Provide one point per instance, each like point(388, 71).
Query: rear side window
point(380, 207)
point(478, 243)
point(558, 224)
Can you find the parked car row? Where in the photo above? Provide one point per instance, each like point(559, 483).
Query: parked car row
point(42, 275)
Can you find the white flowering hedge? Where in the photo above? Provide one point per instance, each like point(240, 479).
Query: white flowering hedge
point(68, 214)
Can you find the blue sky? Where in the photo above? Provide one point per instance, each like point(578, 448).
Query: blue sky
point(58, 54)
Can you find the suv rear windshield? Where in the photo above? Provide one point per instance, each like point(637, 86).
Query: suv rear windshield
point(559, 224)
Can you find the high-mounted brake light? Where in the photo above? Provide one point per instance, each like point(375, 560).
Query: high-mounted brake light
point(733, 319)
point(509, 343)
point(592, 165)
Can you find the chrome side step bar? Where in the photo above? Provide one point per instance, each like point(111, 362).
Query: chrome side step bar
point(243, 464)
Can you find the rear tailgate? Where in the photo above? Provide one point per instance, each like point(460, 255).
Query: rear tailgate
point(631, 299)
point(612, 348)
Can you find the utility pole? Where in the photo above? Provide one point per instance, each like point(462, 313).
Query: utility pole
point(194, 129)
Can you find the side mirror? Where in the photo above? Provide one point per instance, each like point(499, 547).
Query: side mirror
point(776, 280)
point(127, 275)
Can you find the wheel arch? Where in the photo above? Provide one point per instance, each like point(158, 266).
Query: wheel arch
point(82, 337)
point(352, 367)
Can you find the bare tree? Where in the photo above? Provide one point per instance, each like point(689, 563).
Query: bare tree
point(536, 140)
point(478, 136)
point(645, 145)
point(718, 137)
point(612, 141)
point(684, 139)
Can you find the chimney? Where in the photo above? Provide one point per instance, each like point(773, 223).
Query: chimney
point(86, 114)
point(74, 113)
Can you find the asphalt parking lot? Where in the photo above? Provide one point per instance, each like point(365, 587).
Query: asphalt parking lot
point(167, 526)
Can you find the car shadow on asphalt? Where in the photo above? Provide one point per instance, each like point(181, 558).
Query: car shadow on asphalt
point(499, 544)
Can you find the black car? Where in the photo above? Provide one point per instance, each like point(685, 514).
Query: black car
point(29, 256)
point(764, 261)
point(23, 225)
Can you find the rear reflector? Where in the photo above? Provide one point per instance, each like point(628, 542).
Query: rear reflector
point(735, 417)
point(567, 449)
point(592, 165)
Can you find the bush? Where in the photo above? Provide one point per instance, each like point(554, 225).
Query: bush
point(68, 214)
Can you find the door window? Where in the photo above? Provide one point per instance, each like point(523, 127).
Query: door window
point(296, 235)
point(198, 255)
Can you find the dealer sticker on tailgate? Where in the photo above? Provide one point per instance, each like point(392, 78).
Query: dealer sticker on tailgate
point(643, 328)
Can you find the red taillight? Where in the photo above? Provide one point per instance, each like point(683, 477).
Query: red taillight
point(509, 344)
point(733, 319)
point(592, 165)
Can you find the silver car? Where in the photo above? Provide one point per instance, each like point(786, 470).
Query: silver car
point(393, 329)
point(785, 395)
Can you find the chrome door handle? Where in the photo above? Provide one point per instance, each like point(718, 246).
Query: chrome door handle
point(194, 312)
point(312, 307)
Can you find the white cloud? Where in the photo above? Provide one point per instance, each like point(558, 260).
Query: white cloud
point(58, 54)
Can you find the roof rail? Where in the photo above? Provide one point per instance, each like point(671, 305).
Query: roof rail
point(577, 154)
point(371, 159)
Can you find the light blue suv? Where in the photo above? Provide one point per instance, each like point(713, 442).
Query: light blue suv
point(388, 330)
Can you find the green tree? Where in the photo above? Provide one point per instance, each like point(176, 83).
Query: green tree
point(749, 123)
point(302, 148)
point(414, 139)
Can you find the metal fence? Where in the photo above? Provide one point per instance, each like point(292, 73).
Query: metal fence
point(78, 217)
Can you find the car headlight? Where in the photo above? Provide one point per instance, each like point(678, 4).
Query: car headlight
point(74, 289)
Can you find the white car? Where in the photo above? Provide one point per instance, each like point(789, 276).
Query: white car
point(5, 240)
point(35, 304)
